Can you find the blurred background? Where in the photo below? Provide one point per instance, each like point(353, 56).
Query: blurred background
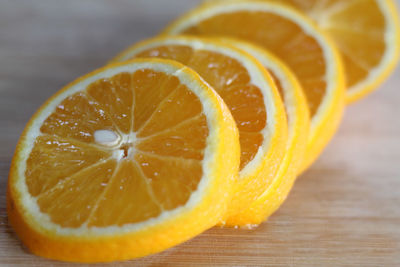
point(344, 211)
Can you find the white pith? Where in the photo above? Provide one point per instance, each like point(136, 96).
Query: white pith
point(256, 77)
point(210, 10)
point(43, 222)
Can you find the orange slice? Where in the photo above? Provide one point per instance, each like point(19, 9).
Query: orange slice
point(126, 161)
point(250, 94)
point(298, 126)
point(367, 33)
point(291, 37)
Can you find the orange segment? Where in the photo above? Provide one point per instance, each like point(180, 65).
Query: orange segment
point(52, 159)
point(118, 205)
point(115, 96)
point(295, 40)
point(151, 88)
point(53, 202)
point(249, 143)
point(367, 34)
point(219, 70)
point(247, 106)
point(248, 91)
point(123, 156)
point(186, 140)
point(156, 168)
point(77, 117)
point(169, 112)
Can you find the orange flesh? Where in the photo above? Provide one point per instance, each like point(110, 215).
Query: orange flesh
point(279, 35)
point(232, 82)
point(77, 181)
point(357, 26)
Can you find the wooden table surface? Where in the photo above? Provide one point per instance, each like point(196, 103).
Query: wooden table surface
point(344, 211)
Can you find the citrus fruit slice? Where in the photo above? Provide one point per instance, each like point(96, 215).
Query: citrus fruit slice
point(126, 161)
point(250, 94)
point(298, 127)
point(294, 39)
point(367, 34)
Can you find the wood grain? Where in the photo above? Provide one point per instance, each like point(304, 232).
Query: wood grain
point(345, 211)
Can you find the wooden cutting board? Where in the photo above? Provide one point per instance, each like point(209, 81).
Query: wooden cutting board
point(345, 211)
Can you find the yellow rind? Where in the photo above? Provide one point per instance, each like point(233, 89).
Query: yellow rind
point(299, 124)
point(323, 132)
point(151, 238)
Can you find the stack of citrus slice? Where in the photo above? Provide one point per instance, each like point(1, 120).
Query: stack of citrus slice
point(184, 132)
